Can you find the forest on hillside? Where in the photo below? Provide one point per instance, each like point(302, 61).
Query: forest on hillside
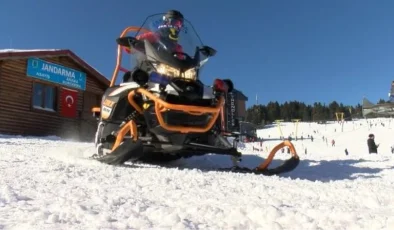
point(288, 111)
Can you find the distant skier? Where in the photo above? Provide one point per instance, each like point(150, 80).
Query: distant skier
point(372, 147)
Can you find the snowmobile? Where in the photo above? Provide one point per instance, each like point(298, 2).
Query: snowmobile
point(160, 111)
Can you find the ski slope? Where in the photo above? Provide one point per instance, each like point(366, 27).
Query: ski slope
point(46, 183)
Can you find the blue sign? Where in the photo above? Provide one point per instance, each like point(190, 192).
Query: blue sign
point(51, 72)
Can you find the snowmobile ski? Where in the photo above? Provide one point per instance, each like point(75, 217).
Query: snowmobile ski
point(127, 150)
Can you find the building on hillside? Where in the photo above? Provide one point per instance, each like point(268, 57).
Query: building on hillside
point(235, 110)
point(48, 92)
point(241, 105)
point(370, 109)
point(247, 131)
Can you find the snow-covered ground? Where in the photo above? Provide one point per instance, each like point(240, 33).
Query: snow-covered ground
point(47, 184)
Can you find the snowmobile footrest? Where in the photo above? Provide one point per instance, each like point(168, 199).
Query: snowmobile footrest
point(128, 150)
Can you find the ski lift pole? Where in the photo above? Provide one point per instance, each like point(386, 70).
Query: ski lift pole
point(343, 122)
point(280, 129)
point(339, 116)
point(296, 124)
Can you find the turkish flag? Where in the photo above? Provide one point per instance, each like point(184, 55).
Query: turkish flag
point(69, 99)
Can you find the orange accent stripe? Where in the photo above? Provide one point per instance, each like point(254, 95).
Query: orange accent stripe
point(162, 106)
point(119, 51)
point(130, 126)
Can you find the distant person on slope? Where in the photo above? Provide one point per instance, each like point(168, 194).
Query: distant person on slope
point(372, 147)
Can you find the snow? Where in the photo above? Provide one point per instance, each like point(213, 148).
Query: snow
point(47, 183)
point(25, 50)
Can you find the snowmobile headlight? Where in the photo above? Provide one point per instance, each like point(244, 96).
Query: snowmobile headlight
point(168, 71)
point(190, 74)
point(172, 72)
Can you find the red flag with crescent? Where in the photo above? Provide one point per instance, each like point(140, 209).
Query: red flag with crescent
point(69, 99)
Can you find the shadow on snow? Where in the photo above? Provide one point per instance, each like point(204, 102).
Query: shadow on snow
point(323, 171)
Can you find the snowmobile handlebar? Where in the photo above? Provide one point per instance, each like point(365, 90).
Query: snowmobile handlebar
point(119, 50)
point(130, 43)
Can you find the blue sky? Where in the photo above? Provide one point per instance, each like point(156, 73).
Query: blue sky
point(306, 50)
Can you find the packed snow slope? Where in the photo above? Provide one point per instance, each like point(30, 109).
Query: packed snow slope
point(49, 184)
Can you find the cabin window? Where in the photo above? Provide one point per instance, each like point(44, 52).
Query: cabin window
point(44, 97)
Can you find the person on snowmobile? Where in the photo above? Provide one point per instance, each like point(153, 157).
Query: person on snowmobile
point(168, 31)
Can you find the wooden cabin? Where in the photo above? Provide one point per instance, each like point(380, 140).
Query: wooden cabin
point(48, 92)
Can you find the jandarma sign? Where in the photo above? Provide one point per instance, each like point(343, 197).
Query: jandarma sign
point(55, 73)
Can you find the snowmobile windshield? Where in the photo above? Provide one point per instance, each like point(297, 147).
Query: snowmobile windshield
point(171, 46)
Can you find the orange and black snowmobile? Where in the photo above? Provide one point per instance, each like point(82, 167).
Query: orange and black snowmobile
point(160, 110)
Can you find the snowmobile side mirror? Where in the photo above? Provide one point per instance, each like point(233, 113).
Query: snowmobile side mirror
point(229, 84)
point(140, 77)
point(126, 41)
point(208, 51)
